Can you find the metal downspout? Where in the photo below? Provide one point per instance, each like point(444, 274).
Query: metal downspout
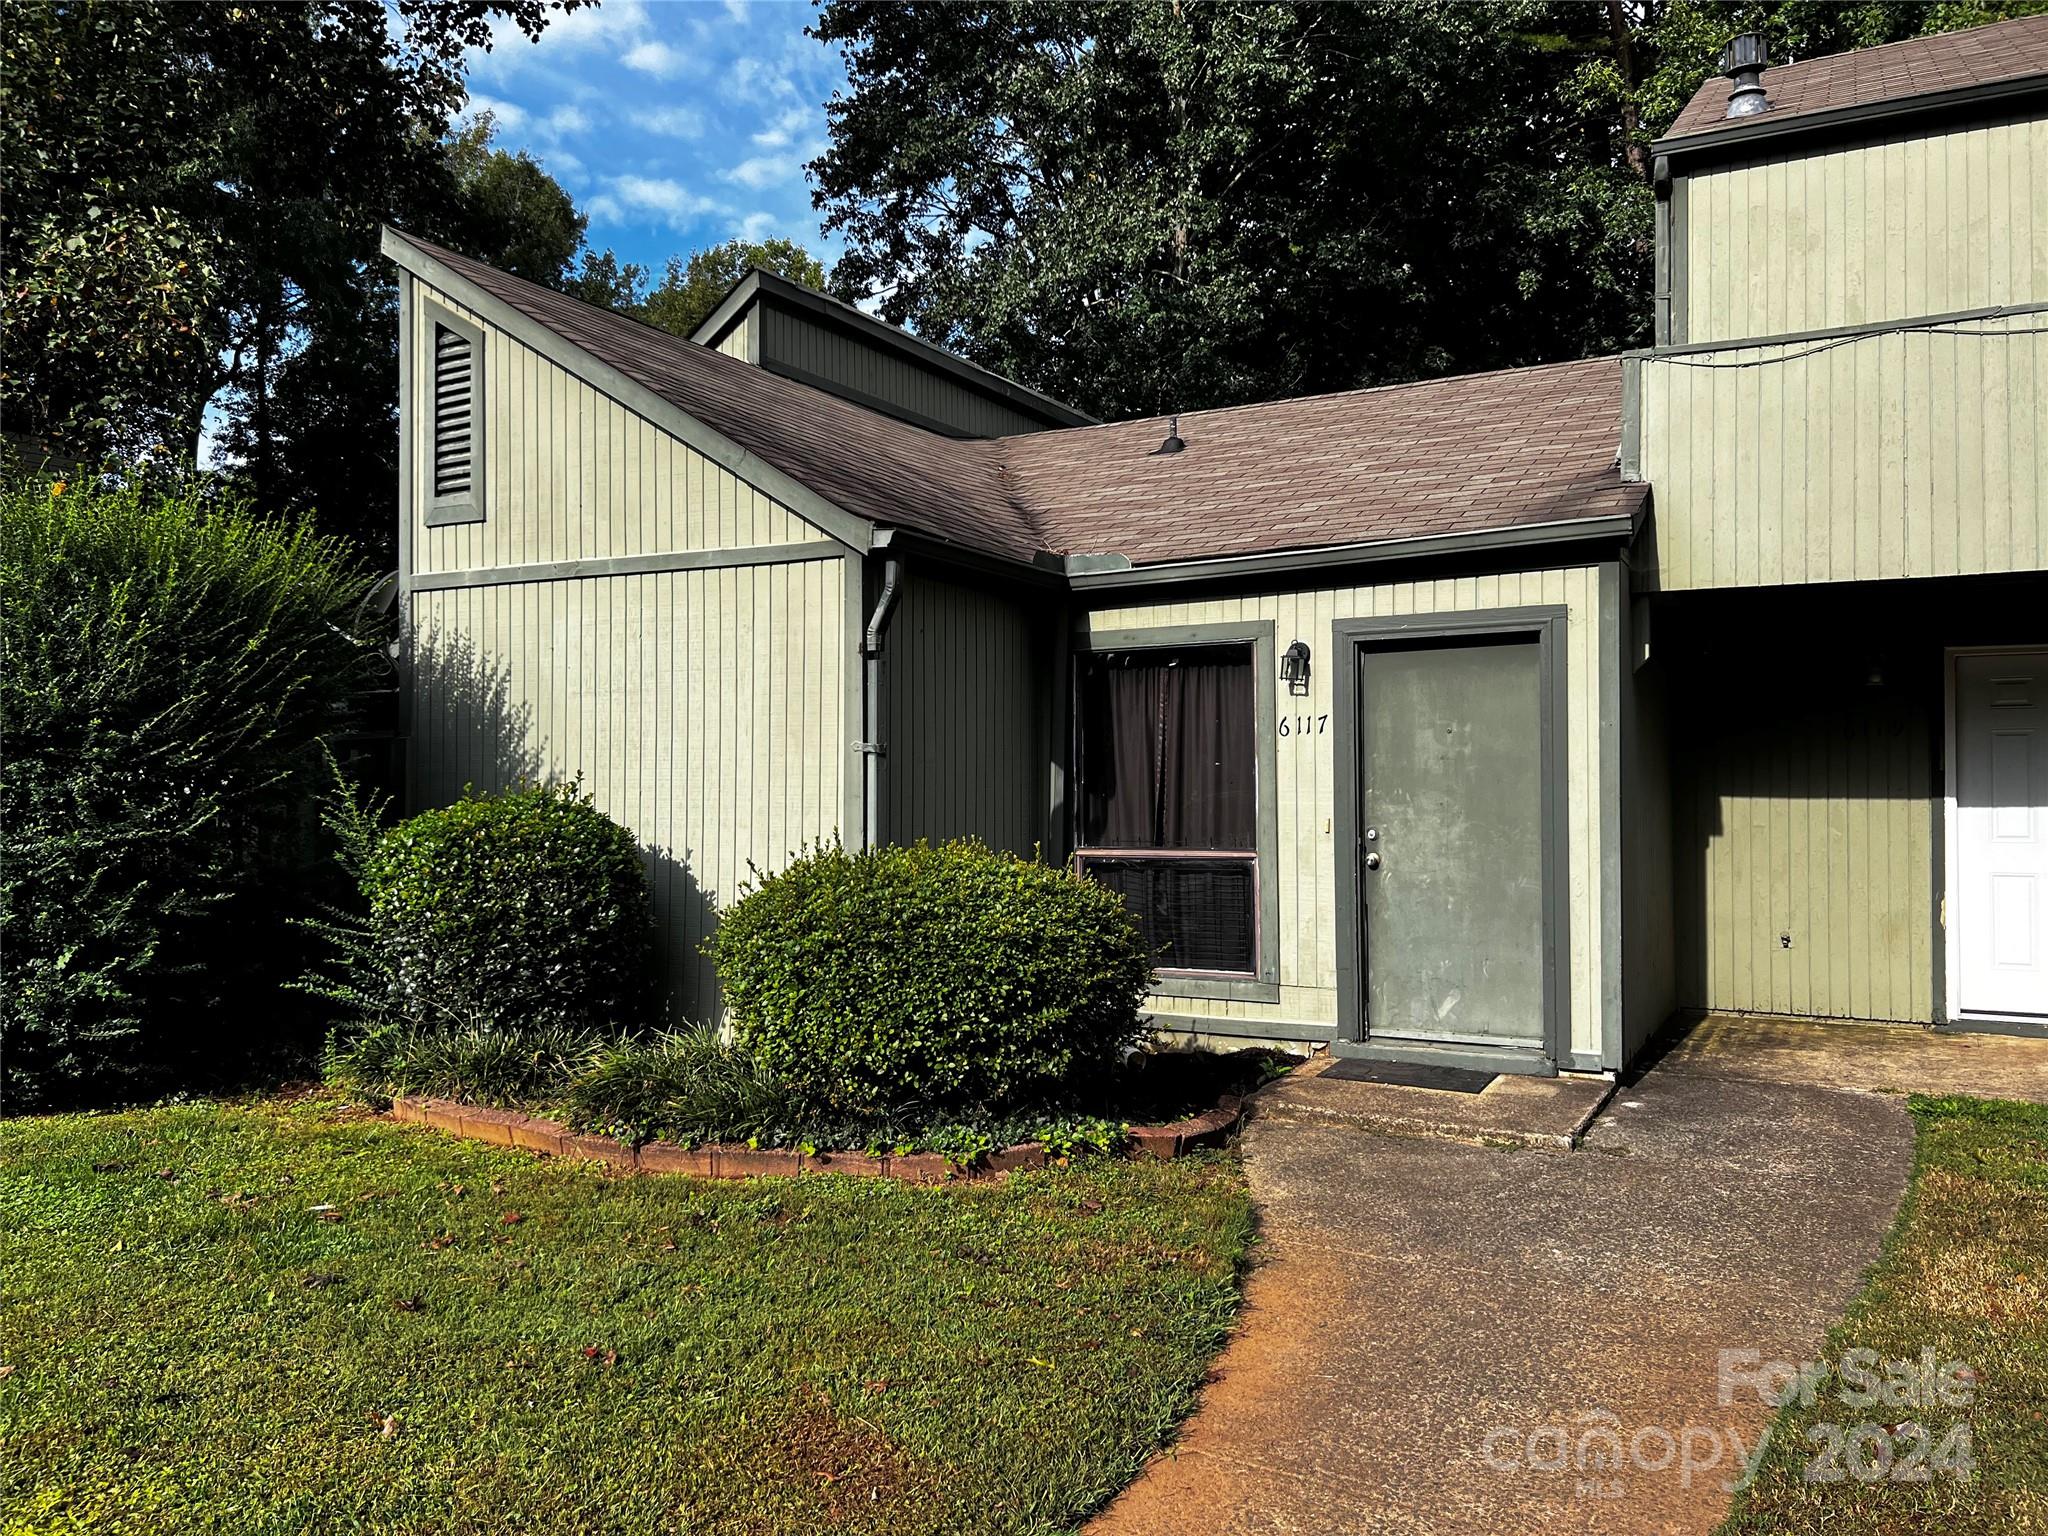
point(872, 747)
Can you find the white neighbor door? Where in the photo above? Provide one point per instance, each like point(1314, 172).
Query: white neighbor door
point(2000, 901)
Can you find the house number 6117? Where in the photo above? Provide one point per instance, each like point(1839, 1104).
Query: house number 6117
point(1304, 725)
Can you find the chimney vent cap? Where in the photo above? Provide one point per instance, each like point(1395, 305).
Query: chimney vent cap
point(1744, 61)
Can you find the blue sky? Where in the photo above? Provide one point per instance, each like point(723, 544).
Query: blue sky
point(675, 124)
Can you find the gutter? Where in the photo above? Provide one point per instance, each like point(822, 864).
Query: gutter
point(872, 747)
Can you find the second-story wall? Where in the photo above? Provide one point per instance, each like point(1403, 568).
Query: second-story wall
point(1861, 458)
point(1814, 237)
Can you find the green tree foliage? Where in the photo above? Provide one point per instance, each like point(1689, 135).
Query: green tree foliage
point(169, 664)
point(689, 289)
point(1143, 207)
point(193, 194)
point(512, 208)
point(947, 978)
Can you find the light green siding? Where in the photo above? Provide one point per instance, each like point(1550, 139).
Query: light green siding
point(1871, 458)
point(739, 341)
point(968, 699)
point(571, 474)
point(1925, 224)
point(1308, 865)
point(701, 708)
point(804, 348)
point(1805, 815)
point(705, 706)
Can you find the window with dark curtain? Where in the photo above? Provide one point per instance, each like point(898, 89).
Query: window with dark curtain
point(1168, 774)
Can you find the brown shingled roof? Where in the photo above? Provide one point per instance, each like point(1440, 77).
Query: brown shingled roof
point(1485, 451)
point(871, 465)
point(2005, 50)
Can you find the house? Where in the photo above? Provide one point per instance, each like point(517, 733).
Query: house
point(1486, 720)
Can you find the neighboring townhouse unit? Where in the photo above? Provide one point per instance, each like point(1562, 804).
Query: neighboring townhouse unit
point(1485, 720)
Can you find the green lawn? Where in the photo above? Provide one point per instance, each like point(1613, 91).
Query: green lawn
point(1965, 1272)
point(291, 1317)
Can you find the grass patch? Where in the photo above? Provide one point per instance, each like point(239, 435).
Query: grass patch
point(1965, 1273)
point(291, 1316)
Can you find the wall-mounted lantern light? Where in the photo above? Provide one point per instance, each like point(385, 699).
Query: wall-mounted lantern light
point(1294, 668)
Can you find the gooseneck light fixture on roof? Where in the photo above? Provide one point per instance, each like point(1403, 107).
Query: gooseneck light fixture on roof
point(1294, 668)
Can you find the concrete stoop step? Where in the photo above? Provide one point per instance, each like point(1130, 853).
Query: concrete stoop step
point(1509, 1111)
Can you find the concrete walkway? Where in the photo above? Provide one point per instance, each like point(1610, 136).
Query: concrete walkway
point(1430, 1320)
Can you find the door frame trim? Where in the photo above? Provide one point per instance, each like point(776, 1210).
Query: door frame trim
point(1350, 638)
point(1951, 1001)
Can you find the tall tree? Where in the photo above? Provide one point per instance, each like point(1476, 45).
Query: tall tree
point(193, 200)
point(690, 290)
point(1148, 206)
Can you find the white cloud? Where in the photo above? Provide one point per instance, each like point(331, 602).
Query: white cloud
point(661, 195)
point(784, 128)
point(764, 171)
point(507, 115)
point(757, 80)
point(651, 56)
point(566, 119)
point(561, 163)
point(670, 122)
point(757, 226)
point(737, 10)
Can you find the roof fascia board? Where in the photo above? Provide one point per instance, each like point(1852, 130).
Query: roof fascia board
point(1085, 576)
point(847, 528)
point(759, 285)
point(711, 330)
point(1742, 136)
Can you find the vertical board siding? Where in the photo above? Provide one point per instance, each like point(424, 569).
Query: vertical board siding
point(1880, 457)
point(966, 721)
point(1806, 814)
point(832, 357)
point(702, 709)
point(1921, 225)
point(571, 474)
point(1307, 863)
point(739, 341)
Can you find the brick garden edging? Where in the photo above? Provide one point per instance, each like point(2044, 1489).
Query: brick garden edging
point(509, 1128)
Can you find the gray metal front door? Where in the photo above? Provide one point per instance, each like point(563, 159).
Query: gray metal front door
point(1451, 841)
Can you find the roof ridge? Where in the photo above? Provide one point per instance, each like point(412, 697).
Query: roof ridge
point(1906, 42)
point(1393, 387)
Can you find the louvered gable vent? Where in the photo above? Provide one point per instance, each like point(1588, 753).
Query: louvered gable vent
point(454, 416)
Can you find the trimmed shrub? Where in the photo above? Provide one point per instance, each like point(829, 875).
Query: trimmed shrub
point(521, 909)
point(950, 977)
point(169, 663)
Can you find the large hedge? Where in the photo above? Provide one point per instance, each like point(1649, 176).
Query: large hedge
point(949, 977)
point(169, 663)
point(522, 909)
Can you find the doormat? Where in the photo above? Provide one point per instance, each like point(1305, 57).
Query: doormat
point(1408, 1074)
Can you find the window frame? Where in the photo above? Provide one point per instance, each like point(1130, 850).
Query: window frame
point(469, 507)
point(1263, 985)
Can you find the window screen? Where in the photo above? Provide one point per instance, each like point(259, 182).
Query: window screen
point(1167, 781)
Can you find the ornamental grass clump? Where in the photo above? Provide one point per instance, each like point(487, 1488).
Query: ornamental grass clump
point(935, 979)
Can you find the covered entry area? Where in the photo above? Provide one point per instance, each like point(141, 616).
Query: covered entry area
point(1859, 786)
